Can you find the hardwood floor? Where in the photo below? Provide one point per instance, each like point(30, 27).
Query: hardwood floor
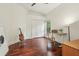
point(31, 47)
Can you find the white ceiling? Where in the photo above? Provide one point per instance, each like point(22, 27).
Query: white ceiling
point(41, 7)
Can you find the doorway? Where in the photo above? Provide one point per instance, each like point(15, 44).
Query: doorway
point(38, 28)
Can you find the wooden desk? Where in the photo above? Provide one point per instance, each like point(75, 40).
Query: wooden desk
point(70, 48)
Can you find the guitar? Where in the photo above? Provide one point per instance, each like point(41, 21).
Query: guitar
point(21, 36)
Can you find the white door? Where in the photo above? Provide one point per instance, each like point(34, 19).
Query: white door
point(38, 28)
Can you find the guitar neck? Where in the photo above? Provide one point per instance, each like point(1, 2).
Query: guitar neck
point(20, 30)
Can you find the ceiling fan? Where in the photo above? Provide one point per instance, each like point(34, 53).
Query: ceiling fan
point(35, 4)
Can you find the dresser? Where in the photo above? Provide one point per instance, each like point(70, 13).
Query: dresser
point(70, 48)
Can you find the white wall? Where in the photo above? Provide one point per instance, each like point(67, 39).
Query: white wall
point(63, 15)
point(13, 16)
point(74, 31)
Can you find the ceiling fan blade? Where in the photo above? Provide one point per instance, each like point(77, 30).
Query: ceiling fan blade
point(45, 3)
point(33, 4)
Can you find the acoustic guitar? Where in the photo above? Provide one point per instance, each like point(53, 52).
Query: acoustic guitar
point(21, 36)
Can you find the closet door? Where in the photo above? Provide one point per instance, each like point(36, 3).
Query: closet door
point(38, 28)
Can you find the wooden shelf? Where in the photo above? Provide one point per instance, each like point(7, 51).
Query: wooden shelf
point(62, 33)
